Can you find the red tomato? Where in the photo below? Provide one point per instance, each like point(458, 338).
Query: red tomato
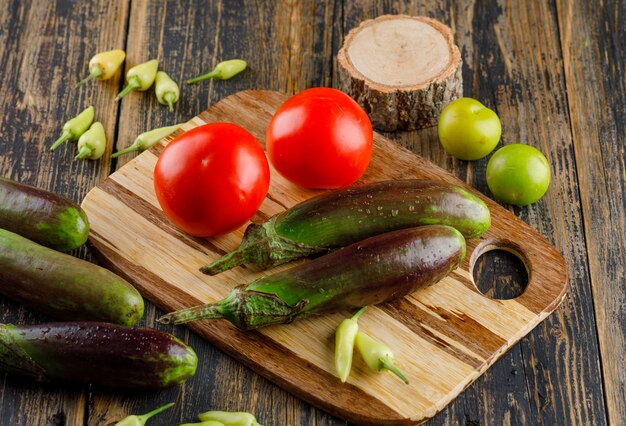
point(320, 138)
point(211, 179)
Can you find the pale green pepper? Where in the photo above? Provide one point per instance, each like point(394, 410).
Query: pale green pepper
point(140, 77)
point(207, 423)
point(75, 127)
point(166, 90)
point(377, 355)
point(147, 140)
point(142, 419)
point(104, 65)
point(92, 143)
point(344, 344)
point(223, 71)
point(230, 419)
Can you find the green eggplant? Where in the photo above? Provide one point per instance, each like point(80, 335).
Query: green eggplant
point(343, 217)
point(376, 270)
point(41, 216)
point(64, 286)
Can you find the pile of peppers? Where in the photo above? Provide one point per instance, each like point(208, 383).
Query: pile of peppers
point(376, 355)
point(91, 136)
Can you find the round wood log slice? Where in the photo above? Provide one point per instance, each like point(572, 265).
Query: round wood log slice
point(403, 70)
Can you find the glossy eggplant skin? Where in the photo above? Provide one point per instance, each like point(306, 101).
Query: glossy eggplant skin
point(41, 216)
point(352, 214)
point(339, 218)
point(99, 353)
point(376, 270)
point(63, 286)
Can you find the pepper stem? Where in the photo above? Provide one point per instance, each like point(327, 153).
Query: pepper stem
point(133, 83)
point(169, 98)
point(83, 153)
point(237, 257)
point(203, 77)
point(207, 311)
point(389, 366)
point(144, 417)
point(358, 313)
point(132, 148)
point(95, 72)
point(64, 137)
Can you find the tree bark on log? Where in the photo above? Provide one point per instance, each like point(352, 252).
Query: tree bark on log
point(403, 70)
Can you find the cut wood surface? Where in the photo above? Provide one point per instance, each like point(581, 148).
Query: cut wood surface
point(553, 71)
point(444, 336)
point(403, 70)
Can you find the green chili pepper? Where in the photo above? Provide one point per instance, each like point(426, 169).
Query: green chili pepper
point(147, 140)
point(92, 143)
point(75, 127)
point(344, 344)
point(104, 65)
point(230, 419)
point(166, 89)
point(377, 355)
point(223, 71)
point(140, 77)
point(207, 423)
point(142, 419)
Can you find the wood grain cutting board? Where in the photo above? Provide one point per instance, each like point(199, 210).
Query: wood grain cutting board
point(443, 337)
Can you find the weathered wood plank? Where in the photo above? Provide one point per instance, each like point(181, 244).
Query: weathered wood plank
point(593, 41)
point(44, 50)
point(512, 63)
point(288, 46)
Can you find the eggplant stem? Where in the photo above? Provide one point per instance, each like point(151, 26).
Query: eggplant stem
point(389, 366)
point(235, 258)
point(207, 311)
point(64, 137)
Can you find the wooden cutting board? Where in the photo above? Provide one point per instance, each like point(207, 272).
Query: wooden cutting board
point(443, 337)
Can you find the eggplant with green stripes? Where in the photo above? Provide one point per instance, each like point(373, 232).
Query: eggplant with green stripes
point(41, 216)
point(375, 270)
point(343, 217)
point(95, 352)
point(64, 286)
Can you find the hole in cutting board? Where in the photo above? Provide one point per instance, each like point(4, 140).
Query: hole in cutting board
point(500, 274)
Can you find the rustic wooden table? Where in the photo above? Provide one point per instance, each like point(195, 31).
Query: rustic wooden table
point(553, 71)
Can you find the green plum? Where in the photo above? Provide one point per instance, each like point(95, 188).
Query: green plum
point(468, 130)
point(518, 174)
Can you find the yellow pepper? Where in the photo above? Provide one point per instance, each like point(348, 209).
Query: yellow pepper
point(223, 71)
point(140, 77)
point(92, 143)
point(207, 423)
point(344, 344)
point(104, 65)
point(166, 90)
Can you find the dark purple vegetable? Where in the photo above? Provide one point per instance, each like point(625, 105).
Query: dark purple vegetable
point(99, 353)
point(376, 270)
point(343, 217)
